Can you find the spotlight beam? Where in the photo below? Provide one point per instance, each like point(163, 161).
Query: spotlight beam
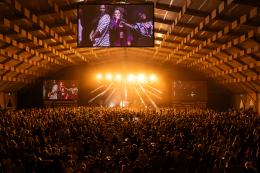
point(101, 86)
point(110, 95)
point(91, 100)
point(149, 98)
point(150, 92)
point(125, 92)
point(158, 91)
point(140, 97)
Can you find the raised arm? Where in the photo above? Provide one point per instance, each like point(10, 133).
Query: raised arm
point(127, 24)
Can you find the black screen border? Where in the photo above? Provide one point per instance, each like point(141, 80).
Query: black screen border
point(107, 3)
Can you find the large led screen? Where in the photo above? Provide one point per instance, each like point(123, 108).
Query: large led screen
point(60, 90)
point(116, 25)
point(189, 91)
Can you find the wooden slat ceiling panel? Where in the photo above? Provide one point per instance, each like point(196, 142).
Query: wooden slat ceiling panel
point(24, 66)
point(219, 37)
point(11, 74)
point(234, 63)
point(247, 60)
point(238, 10)
point(2, 58)
point(12, 62)
point(249, 73)
point(192, 20)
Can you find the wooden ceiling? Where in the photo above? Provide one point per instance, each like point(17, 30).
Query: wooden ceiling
point(220, 38)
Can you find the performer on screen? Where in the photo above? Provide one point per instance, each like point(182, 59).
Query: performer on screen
point(73, 92)
point(53, 95)
point(119, 33)
point(62, 92)
point(143, 28)
point(99, 36)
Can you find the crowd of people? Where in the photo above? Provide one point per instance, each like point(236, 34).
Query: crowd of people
point(88, 139)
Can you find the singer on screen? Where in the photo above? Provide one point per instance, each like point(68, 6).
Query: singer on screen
point(119, 33)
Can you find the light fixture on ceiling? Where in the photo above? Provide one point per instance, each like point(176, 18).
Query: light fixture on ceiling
point(158, 42)
point(159, 35)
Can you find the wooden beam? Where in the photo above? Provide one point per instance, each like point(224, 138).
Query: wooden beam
point(222, 47)
point(243, 79)
point(36, 41)
point(237, 69)
point(227, 29)
point(163, 21)
point(176, 20)
point(14, 56)
point(18, 57)
point(220, 8)
point(34, 19)
point(19, 70)
point(20, 45)
point(248, 85)
point(62, 15)
point(16, 79)
point(233, 56)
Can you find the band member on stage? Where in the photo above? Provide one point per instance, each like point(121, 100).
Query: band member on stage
point(119, 33)
point(99, 36)
point(53, 95)
point(143, 28)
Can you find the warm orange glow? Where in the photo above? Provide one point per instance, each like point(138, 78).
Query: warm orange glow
point(158, 42)
point(119, 88)
point(153, 78)
point(141, 78)
point(131, 78)
point(159, 35)
point(118, 77)
point(109, 76)
point(99, 76)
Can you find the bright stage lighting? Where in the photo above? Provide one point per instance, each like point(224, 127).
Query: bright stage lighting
point(141, 78)
point(112, 105)
point(131, 78)
point(152, 78)
point(99, 76)
point(118, 77)
point(108, 76)
point(159, 35)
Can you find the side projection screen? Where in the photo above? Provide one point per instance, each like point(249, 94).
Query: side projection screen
point(116, 25)
point(60, 90)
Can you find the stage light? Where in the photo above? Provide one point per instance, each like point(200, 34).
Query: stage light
point(109, 77)
point(99, 76)
point(131, 78)
point(118, 77)
point(159, 35)
point(158, 42)
point(112, 105)
point(141, 78)
point(152, 78)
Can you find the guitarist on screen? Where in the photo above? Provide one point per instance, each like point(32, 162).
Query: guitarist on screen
point(100, 35)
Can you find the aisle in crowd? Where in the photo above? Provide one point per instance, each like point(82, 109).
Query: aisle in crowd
point(85, 139)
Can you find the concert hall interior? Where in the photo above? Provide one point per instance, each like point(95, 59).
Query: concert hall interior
point(129, 86)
